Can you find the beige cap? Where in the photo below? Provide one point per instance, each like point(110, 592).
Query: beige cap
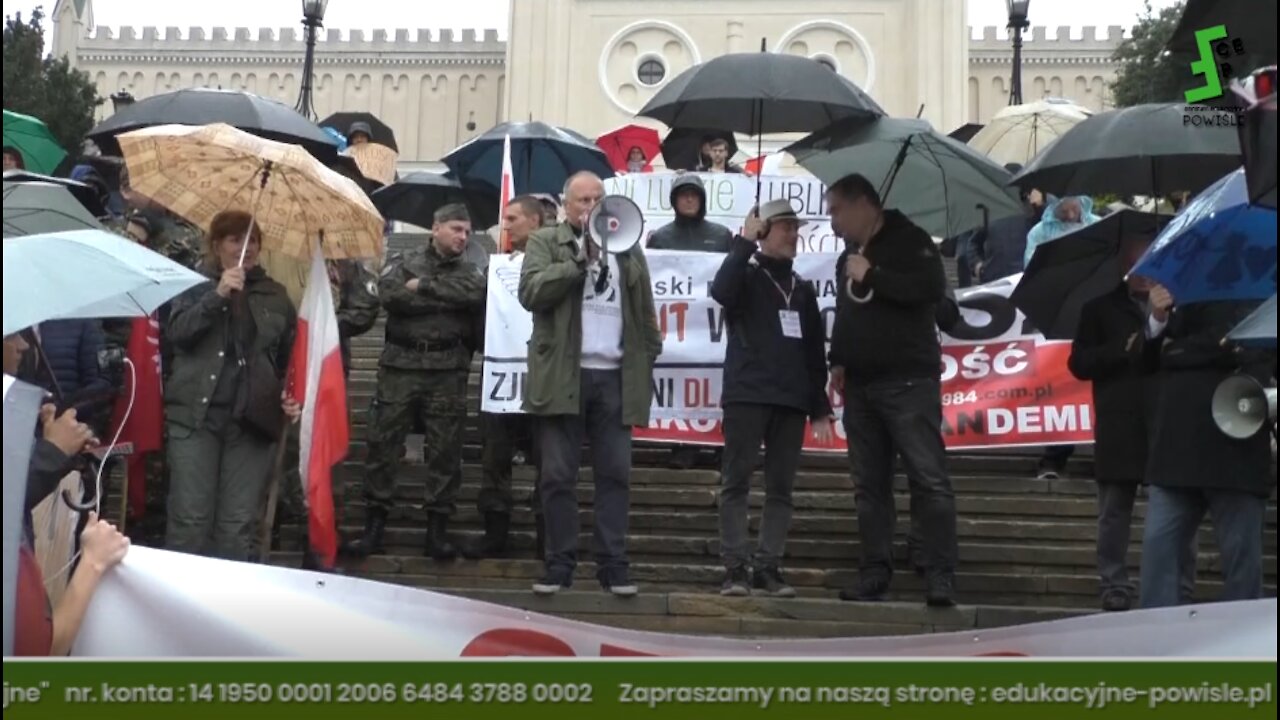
point(780, 210)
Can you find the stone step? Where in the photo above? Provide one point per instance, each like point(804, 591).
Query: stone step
point(1008, 588)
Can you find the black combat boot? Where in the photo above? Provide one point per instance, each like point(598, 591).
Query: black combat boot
point(493, 544)
point(438, 545)
point(370, 543)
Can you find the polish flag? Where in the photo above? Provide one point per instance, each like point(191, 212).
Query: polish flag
point(768, 164)
point(508, 192)
point(316, 382)
point(138, 416)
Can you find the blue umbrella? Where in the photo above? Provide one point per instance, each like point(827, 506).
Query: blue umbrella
point(1218, 248)
point(85, 274)
point(542, 157)
point(1259, 329)
point(338, 137)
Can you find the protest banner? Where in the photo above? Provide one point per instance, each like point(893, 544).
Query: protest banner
point(1003, 384)
point(730, 198)
point(161, 604)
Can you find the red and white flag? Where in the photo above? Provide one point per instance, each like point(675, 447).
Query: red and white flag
point(316, 382)
point(508, 192)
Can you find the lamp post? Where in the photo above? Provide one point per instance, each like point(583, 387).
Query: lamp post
point(1017, 23)
point(312, 20)
point(121, 100)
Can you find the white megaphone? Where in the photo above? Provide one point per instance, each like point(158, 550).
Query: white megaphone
point(1242, 405)
point(616, 224)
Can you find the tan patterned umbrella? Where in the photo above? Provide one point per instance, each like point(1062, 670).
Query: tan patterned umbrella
point(376, 162)
point(199, 171)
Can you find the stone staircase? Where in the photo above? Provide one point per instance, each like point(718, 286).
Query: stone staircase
point(1026, 545)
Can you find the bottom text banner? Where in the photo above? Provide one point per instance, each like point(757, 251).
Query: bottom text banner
point(563, 690)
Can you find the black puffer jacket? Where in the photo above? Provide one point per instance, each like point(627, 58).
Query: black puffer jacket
point(71, 348)
point(691, 233)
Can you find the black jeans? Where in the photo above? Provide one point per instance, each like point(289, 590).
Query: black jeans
point(904, 417)
point(782, 432)
point(560, 441)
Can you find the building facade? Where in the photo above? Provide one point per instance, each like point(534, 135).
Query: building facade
point(591, 64)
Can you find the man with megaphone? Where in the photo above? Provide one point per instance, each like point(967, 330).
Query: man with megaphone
point(595, 339)
point(1193, 467)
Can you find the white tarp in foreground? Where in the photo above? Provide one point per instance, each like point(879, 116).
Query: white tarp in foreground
point(162, 604)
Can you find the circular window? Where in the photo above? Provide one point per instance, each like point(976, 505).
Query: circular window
point(651, 71)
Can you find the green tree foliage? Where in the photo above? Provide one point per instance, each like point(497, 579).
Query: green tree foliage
point(1146, 73)
point(45, 87)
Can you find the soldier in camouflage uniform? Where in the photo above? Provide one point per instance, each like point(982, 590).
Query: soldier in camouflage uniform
point(435, 314)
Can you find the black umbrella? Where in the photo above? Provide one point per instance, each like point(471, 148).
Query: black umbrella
point(1069, 271)
point(542, 157)
point(1251, 22)
point(415, 198)
point(965, 132)
point(1139, 150)
point(682, 147)
point(201, 106)
point(1258, 143)
point(84, 194)
point(380, 132)
point(758, 93)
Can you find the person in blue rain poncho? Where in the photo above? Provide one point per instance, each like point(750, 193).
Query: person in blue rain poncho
point(1061, 216)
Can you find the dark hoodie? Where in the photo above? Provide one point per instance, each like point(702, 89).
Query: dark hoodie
point(691, 233)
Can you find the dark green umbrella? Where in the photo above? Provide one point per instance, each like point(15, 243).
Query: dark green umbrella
point(1155, 149)
point(41, 153)
point(31, 208)
point(944, 186)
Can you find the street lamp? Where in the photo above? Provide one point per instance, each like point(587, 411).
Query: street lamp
point(121, 100)
point(312, 20)
point(1017, 23)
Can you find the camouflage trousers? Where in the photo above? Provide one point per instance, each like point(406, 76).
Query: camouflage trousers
point(439, 398)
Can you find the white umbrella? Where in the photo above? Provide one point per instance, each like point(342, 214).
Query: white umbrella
point(85, 274)
point(1019, 132)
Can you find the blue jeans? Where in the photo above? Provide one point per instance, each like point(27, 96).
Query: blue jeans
point(1173, 518)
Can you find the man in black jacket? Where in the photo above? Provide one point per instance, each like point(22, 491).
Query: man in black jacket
point(886, 357)
point(1193, 467)
point(689, 232)
point(774, 377)
point(1108, 351)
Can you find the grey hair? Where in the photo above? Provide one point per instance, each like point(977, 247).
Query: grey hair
point(576, 176)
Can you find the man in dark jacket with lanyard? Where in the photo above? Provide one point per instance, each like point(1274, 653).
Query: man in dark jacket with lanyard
point(886, 357)
point(775, 377)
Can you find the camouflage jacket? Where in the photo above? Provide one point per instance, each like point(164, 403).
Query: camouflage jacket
point(355, 301)
point(171, 236)
point(440, 326)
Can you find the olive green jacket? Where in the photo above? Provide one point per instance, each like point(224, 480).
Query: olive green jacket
point(197, 330)
point(446, 313)
point(551, 285)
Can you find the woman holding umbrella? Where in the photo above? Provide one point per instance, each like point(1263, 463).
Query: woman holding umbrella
point(232, 337)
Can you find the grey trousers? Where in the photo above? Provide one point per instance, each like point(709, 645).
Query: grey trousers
point(782, 432)
point(1115, 520)
point(560, 439)
point(217, 481)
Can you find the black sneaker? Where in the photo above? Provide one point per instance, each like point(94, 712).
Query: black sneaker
point(941, 591)
point(869, 588)
point(769, 579)
point(1116, 600)
point(615, 580)
point(553, 581)
point(737, 582)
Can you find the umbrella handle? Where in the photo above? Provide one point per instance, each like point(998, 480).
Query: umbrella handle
point(244, 246)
